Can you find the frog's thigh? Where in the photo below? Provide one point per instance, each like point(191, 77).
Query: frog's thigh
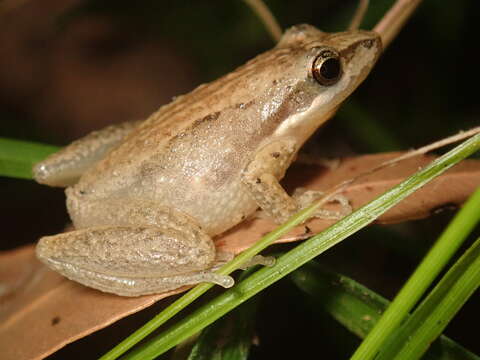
point(65, 167)
point(132, 260)
point(262, 179)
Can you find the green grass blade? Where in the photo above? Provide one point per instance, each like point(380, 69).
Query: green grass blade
point(433, 263)
point(17, 157)
point(440, 306)
point(198, 290)
point(300, 254)
point(358, 308)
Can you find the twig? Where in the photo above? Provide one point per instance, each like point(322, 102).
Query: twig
point(359, 15)
point(267, 18)
point(423, 150)
point(437, 144)
point(393, 21)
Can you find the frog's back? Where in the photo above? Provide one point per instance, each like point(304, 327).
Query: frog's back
point(245, 105)
point(190, 153)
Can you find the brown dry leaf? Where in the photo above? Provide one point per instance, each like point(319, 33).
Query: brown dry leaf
point(40, 311)
point(447, 191)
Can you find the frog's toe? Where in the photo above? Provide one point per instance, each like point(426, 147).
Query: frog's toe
point(305, 198)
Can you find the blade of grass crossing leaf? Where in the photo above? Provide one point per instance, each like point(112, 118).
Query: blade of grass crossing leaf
point(17, 157)
point(444, 248)
point(198, 290)
point(358, 308)
point(300, 255)
point(440, 306)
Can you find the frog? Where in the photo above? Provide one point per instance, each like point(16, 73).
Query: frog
point(147, 198)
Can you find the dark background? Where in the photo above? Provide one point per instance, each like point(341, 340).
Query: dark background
point(69, 67)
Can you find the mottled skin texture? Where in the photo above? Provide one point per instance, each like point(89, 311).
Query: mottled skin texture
point(145, 213)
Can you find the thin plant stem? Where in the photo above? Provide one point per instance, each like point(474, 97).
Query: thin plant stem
point(394, 20)
point(426, 272)
point(434, 314)
point(267, 18)
point(359, 15)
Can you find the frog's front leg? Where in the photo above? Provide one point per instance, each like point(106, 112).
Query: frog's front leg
point(165, 251)
point(262, 177)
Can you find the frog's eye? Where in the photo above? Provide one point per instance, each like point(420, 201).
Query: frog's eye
point(327, 67)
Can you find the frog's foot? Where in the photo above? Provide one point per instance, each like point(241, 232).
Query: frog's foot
point(306, 197)
point(133, 260)
point(223, 257)
point(259, 260)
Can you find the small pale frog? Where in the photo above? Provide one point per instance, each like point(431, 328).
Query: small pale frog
point(146, 198)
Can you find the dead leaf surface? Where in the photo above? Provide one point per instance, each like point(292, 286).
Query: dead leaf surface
point(447, 191)
point(40, 311)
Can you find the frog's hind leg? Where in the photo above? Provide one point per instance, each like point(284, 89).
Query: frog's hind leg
point(65, 167)
point(133, 247)
point(133, 260)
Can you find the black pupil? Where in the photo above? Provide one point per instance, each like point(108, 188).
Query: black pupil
point(330, 69)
